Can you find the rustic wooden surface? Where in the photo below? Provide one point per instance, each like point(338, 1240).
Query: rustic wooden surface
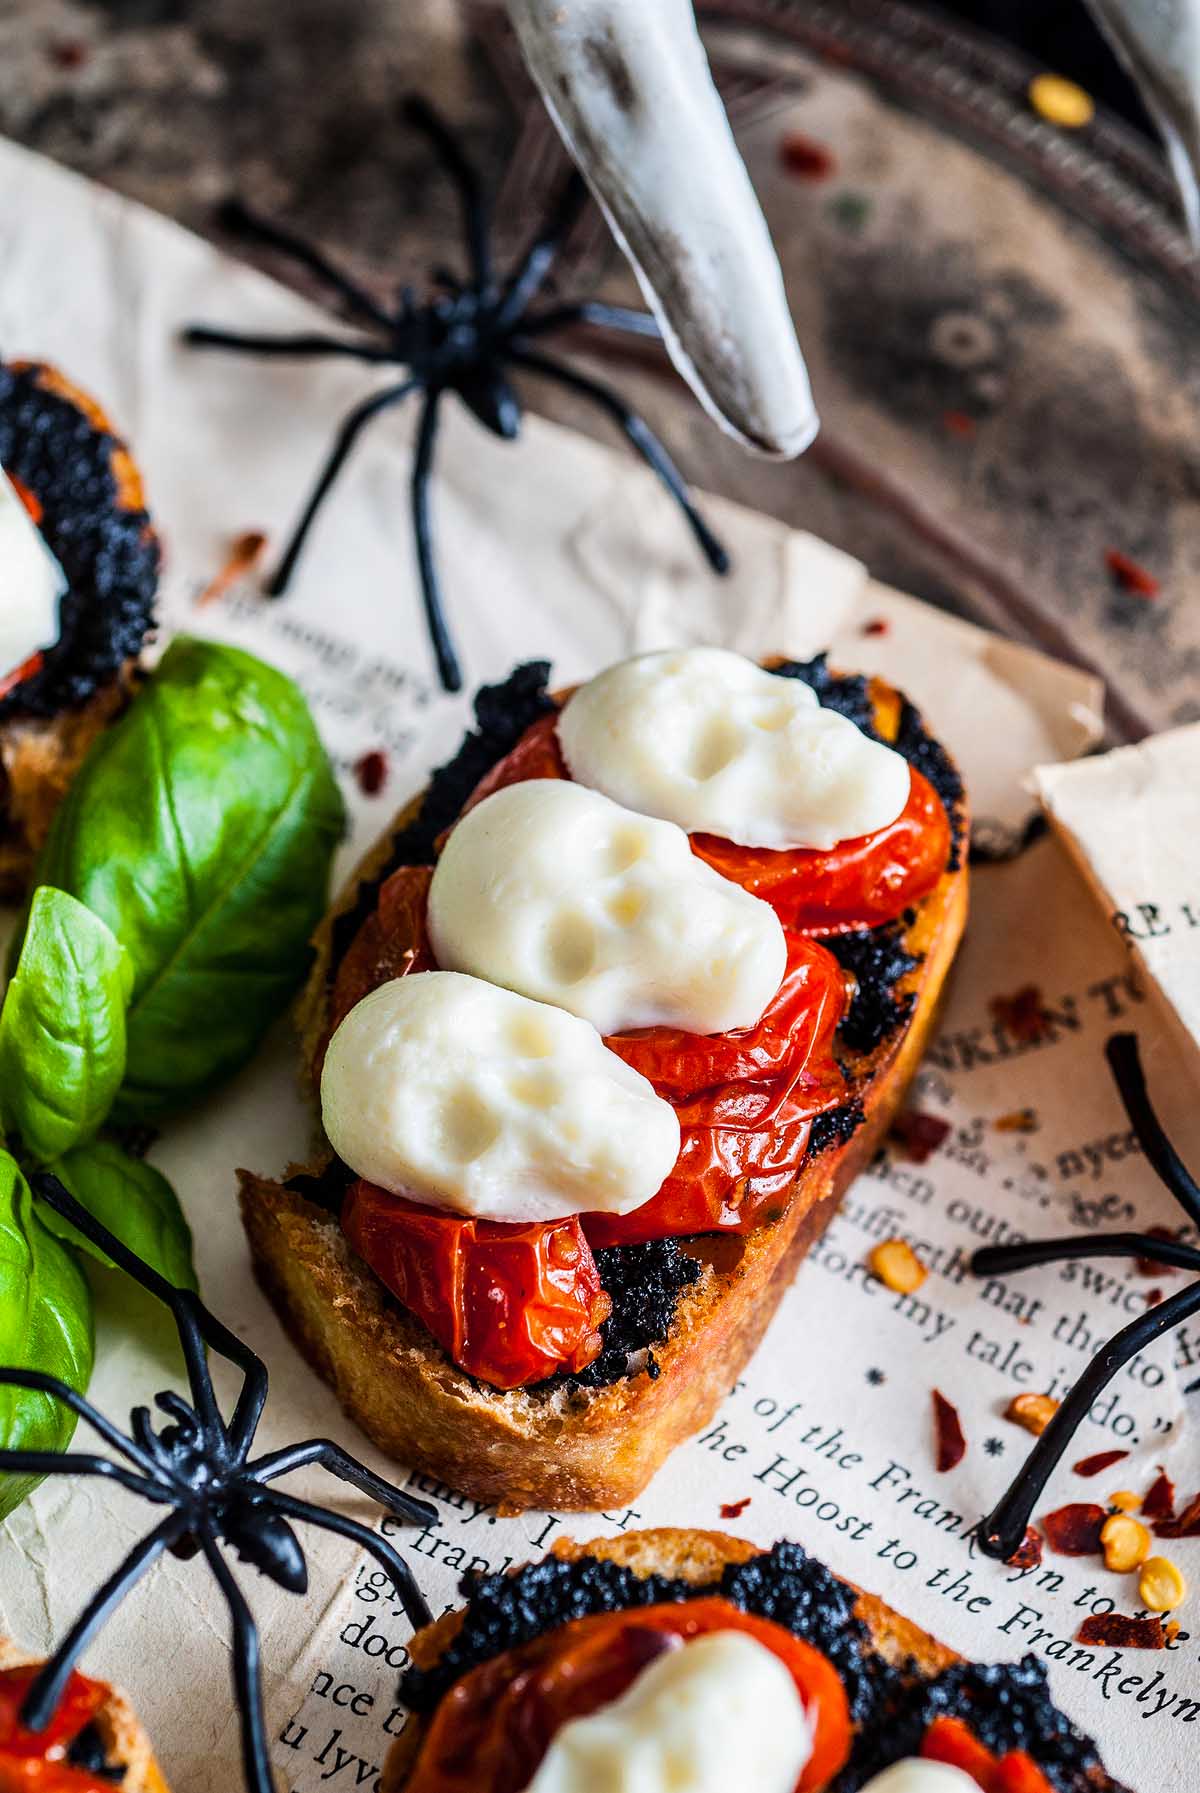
point(1001, 322)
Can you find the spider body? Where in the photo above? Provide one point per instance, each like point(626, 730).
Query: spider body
point(199, 1467)
point(1002, 1531)
point(460, 340)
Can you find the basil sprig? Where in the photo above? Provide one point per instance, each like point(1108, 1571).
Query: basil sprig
point(45, 1324)
point(201, 831)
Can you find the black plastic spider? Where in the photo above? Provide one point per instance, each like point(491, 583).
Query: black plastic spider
point(1002, 1531)
point(460, 340)
point(200, 1468)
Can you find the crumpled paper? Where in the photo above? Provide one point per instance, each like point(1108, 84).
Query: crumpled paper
point(559, 548)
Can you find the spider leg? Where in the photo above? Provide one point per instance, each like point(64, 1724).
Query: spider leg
point(1125, 1063)
point(640, 435)
point(347, 436)
point(535, 264)
point(38, 1381)
point(247, 1674)
point(46, 1689)
point(195, 1325)
point(1004, 1527)
point(78, 1463)
point(422, 117)
point(443, 648)
point(339, 1463)
point(592, 311)
point(401, 1576)
point(1002, 1260)
point(239, 220)
point(200, 336)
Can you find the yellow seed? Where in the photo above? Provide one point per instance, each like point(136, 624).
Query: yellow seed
point(897, 1266)
point(1125, 1500)
point(1061, 102)
point(1034, 1412)
point(1126, 1543)
point(1160, 1585)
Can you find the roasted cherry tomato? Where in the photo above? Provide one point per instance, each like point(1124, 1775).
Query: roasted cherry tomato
point(390, 943)
point(952, 1740)
point(509, 1303)
point(36, 1761)
point(536, 755)
point(857, 884)
point(494, 1726)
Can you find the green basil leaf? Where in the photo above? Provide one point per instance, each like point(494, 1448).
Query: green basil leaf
point(62, 1027)
point(201, 829)
point(45, 1324)
point(134, 1201)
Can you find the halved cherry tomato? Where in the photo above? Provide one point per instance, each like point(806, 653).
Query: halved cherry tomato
point(857, 884)
point(36, 1761)
point(391, 942)
point(536, 755)
point(952, 1740)
point(510, 1304)
point(493, 1728)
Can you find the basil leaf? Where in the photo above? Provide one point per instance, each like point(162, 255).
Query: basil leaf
point(134, 1201)
point(62, 1027)
point(201, 829)
point(45, 1324)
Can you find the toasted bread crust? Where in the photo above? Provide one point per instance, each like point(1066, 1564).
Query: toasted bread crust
point(569, 1449)
point(695, 1557)
point(40, 755)
point(125, 1741)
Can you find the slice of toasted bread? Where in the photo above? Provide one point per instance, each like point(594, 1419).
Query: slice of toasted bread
point(698, 1558)
point(563, 1446)
point(126, 1744)
point(96, 522)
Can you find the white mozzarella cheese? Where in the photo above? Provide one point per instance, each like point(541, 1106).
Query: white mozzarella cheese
point(31, 583)
point(556, 891)
point(914, 1775)
point(469, 1098)
point(707, 739)
point(720, 1714)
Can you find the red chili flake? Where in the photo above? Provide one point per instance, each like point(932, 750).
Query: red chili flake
point(1186, 1526)
point(959, 423)
point(371, 772)
point(1102, 1460)
point(1018, 1120)
point(733, 1509)
point(1129, 575)
point(919, 1134)
point(68, 53)
point(1153, 1297)
point(878, 625)
point(1160, 1498)
point(1075, 1530)
point(244, 555)
point(10, 680)
point(1023, 1015)
point(30, 500)
point(1028, 1553)
point(1151, 1266)
point(805, 157)
point(948, 1433)
point(1114, 1631)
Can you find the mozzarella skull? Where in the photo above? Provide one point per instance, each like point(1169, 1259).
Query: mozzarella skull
point(31, 584)
point(705, 738)
point(718, 1713)
point(471, 1099)
point(557, 892)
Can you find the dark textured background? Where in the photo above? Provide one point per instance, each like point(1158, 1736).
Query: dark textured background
point(1061, 34)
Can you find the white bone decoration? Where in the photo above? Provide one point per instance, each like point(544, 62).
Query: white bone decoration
point(468, 1098)
point(629, 87)
point(715, 1715)
point(31, 583)
point(557, 892)
point(705, 738)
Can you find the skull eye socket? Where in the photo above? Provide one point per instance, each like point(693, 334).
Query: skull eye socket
point(570, 948)
point(715, 746)
point(530, 1037)
point(466, 1126)
point(774, 717)
point(626, 847)
point(535, 1091)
